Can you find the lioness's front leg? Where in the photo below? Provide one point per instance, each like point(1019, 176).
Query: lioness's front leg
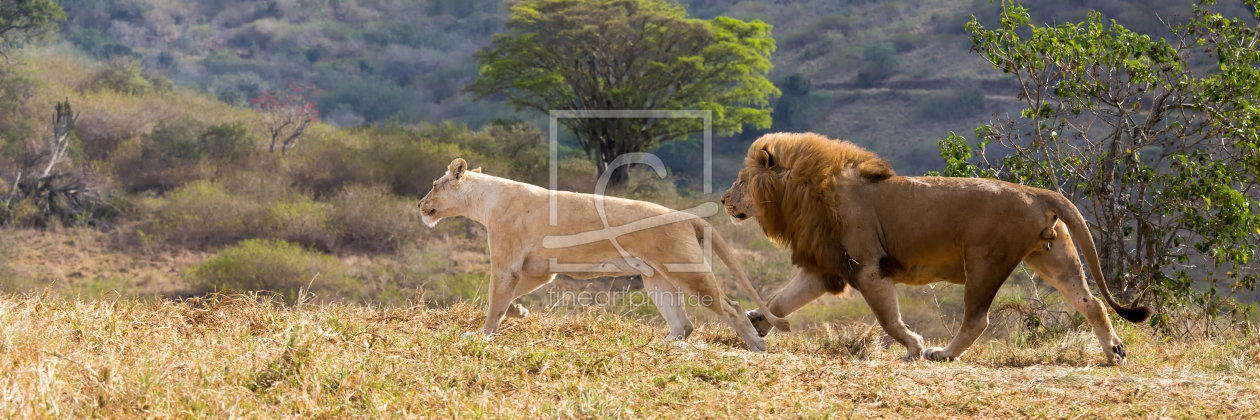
point(803, 289)
point(502, 292)
point(881, 295)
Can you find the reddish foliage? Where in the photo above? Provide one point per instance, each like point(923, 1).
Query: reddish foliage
point(287, 113)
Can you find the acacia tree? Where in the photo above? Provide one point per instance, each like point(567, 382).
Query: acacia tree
point(287, 113)
point(629, 55)
point(1162, 155)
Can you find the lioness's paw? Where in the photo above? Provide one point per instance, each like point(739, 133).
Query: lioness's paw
point(515, 310)
point(472, 335)
point(1118, 355)
point(913, 355)
point(937, 354)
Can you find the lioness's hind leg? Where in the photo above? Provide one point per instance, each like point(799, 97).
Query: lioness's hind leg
point(523, 287)
point(708, 294)
point(803, 289)
point(1060, 267)
point(673, 306)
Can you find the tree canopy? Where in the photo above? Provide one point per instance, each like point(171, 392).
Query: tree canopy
point(629, 55)
point(23, 18)
point(1158, 140)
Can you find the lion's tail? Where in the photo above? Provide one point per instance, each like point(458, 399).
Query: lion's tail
point(1071, 217)
point(724, 252)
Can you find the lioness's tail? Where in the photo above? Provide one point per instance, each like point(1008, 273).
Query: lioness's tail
point(724, 252)
point(1080, 232)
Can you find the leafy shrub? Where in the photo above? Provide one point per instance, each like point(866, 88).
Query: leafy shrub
point(123, 75)
point(836, 22)
point(237, 88)
point(270, 265)
point(879, 62)
point(182, 150)
point(904, 42)
point(301, 221)
point(370, 218)
point(204, 213)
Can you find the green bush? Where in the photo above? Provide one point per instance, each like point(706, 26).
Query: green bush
point(370, 218)
point(879, 62)
point(203, 213)
point(179, 151)
point(302, 221)
point(124, 75)
point(272, 265)
point(904, 42)
point(836, 22)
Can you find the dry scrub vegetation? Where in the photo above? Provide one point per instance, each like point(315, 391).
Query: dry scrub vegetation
point(240, 356)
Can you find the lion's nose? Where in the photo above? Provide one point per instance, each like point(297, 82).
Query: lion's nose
point(723, 201)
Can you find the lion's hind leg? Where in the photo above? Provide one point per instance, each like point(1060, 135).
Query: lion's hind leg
point(1060, 267)
point(984, 277)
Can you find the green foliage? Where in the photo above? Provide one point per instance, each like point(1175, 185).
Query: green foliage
point(905, 42)
point(182, 150)
point(98, 44)
point(206, 213)
point(1165, 157)
point(554, 58)
point(269, 265)
point(126, 76)
point(793, 111)
point(24, 19)
point(370, 218)
point(879, 62)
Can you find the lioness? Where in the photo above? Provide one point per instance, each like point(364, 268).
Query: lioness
point(848, 219)
point(526, 251)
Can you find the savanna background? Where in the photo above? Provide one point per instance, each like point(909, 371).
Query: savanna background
point(187, 267)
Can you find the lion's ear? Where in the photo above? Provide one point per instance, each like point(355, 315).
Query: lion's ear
point(457, 168)
point(765, 158)
point(478, 170)
point(876, 169)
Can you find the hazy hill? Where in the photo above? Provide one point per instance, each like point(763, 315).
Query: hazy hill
point(892, 75)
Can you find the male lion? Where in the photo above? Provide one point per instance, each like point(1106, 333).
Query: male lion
point(596, 234)
point(849, 220)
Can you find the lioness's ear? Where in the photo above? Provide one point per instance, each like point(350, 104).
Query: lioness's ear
point(457, 168)
point(765, 158)
point(478, 170)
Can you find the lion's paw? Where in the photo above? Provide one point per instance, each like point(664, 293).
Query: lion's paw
point(937, 354)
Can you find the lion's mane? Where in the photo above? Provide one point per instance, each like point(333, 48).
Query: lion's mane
point(796, 174)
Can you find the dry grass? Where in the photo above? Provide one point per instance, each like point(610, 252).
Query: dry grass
point(235, 356)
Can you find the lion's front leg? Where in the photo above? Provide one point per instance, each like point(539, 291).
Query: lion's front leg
point(881, 295)
point(803, 289)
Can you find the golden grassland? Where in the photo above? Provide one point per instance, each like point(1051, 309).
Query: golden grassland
point(239, 356)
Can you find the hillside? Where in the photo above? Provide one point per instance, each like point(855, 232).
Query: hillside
point(895, 76)
point(234, 356)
